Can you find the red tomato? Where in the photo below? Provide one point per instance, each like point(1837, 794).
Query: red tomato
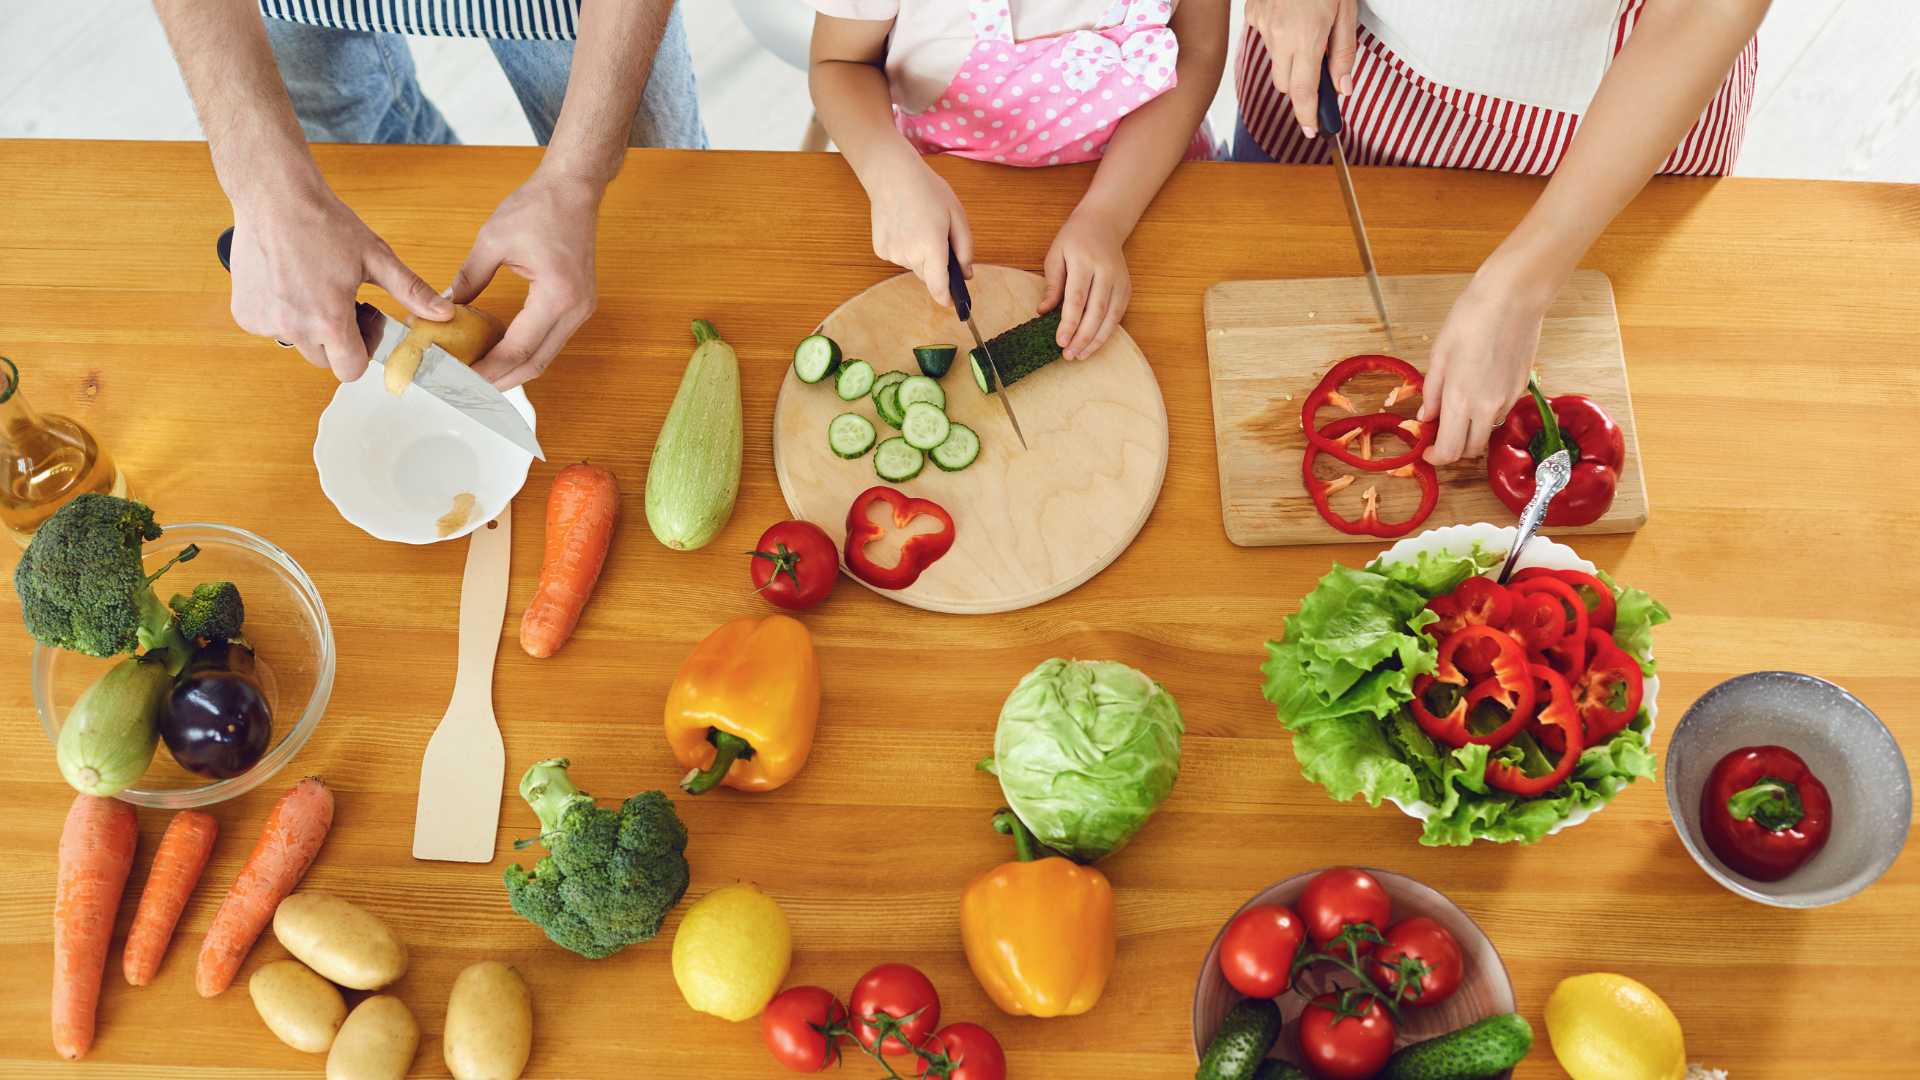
point(1256, 953)
point(899, 991)
point(788, 1025)
point(1338, 1047)
point(795, 565)
point(1428, 942)
point(972, 1051)
point(1340, 897)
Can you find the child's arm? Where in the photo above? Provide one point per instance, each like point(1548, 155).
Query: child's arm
point(1657, 86)
point(915, 213)
point(1086, 269)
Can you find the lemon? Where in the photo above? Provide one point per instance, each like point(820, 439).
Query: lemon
point(731, 952)
point(1609, 1027)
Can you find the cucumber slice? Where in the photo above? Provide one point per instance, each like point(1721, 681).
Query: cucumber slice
point(896, 461)
point(935, 360)
point(850, 435)
point(981, 378)
point(854, 380)
point(959, 449)
point(887, 380)
point(924, 427)
point(920, 388)
point(816, 357)
point(886, 402)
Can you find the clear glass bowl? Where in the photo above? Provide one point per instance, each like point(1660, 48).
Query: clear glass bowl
point(286, 625)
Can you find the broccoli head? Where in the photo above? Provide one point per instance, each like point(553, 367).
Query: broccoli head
point(610, 876)
point(212, 612)
point(82, 586)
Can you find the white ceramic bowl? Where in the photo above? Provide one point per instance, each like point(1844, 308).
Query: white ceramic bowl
point(394, 466)
point(1539, 552)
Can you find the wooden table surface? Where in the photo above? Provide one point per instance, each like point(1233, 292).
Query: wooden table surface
point(1769, 329)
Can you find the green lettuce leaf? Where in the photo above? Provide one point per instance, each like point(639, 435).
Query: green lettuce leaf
point(1635, 616)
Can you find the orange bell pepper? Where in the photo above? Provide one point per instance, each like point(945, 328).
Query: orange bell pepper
point(1038, 931)
point(744, 706)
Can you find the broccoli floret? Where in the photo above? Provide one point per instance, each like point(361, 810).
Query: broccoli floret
point(82, 586)
point(610, 876)
point(212, 612)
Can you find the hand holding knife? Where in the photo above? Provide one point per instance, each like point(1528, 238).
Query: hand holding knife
point(963, 307)
point(1333, 127)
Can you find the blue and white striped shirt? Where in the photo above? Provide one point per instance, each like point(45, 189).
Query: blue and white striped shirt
point(554, 20)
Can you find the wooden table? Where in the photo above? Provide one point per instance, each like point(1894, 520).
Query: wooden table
point(1770, 332)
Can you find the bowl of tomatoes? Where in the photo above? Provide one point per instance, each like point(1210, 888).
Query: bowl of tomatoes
point(1307, 942)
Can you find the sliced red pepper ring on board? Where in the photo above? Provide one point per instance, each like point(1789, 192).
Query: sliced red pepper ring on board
point(917, 552)
point(1600, 612)
point(1558, 714)
point(1369, 523)
point(1335, 443)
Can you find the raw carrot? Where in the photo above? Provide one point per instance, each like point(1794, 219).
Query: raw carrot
point(96, 854)
point(292, 837)
point(580, 514)
point(176, 869)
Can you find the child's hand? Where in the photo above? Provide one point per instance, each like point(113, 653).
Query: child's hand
point(1087, 279)
point(915, 214)
point(1479, 364)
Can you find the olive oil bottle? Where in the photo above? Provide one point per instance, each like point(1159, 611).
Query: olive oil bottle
point(45, 461)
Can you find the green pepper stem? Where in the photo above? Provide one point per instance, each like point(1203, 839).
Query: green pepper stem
point(726, 750)
point(1551, 440)
point(1025, 847)
point(1773, 804)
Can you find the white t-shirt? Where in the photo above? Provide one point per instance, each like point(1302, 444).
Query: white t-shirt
point(1550, 53)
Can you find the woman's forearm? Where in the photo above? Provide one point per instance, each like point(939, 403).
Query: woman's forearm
point(611, 63)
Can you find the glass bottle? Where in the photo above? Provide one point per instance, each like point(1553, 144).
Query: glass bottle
point(45, 461)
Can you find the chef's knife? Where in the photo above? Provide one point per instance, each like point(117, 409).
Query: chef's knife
point(442, 377)
point(1333, 126)
point(963, 306)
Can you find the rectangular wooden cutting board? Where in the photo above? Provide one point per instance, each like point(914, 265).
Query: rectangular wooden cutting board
point(1269, 342)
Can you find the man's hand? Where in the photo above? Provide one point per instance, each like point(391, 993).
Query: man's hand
point(298, 263)
point(915, 216)
point(544, 232)
point(1297, 34)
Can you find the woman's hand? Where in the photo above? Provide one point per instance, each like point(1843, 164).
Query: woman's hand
point(915, 216)
point(1298, 33)
point(1480, 362)
point(1087, 279)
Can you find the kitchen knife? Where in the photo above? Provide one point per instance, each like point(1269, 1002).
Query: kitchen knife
point(963, 306)
point(442, 377)
point(1333, 126)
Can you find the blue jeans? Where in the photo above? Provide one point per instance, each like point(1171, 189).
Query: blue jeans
point(357, 86)
point(1244, 148)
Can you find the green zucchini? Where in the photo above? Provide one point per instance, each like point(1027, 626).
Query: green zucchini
point(694, 475)
point(935, 360)
point(1249, 1031)
point(1018, 352)
point(1479, 1050)
point(109, 735)
point(816, 357)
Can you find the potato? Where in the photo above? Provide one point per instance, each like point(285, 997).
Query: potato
point(302, 1009)
point(376, 1043)
point(466, 337)
point(489, 1023)
point(342, 942)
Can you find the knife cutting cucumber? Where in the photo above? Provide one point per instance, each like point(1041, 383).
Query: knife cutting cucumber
point(924, 426)
point(897, 461)
point(1018, 352)
point(816, 357)
point(694, 476)
point(854, 381)
point(850, 435)
point(935, 360)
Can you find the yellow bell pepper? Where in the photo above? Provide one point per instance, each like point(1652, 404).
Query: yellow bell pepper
point(744, 706)
point(1038, 931)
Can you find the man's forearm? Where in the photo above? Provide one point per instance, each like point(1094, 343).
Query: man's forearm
point(256, 142)
point(612, 60)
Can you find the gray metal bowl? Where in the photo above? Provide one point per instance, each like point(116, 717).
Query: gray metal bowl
point(1845, 745)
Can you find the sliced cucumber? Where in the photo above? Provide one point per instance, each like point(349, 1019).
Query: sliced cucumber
point(816, 357)
point(920, 388)
point(935, 360)
point(854, 380)
point(980, 376)
point(924, 427)
point(886, 402)
point(850, 435)
point(896, 461)
point(888, 379)
point(959, 449)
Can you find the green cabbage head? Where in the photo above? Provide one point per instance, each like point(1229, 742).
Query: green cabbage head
point(1085, 750)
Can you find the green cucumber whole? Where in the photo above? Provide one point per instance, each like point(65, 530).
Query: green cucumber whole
point(694, 476)
point(1249, 1031)
point(1479, 1050)
point(1276, 1069)
point(110, 733)
point(1018, 352)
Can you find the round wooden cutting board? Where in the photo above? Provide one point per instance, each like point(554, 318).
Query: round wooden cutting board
point(1029, 524)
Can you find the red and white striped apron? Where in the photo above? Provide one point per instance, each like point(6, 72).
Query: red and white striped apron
point(1397, 116)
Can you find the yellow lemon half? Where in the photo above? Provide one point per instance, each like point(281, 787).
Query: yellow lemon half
point(731, 952)
point(1609, 1027)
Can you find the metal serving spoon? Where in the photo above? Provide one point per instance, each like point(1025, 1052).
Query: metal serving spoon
point(1549, 479)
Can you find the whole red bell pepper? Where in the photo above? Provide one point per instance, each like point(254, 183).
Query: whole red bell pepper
point(1370, 523)
point(1764, 812)
point(916, 553)
point(1510, 686)
point(1558, 714)
point(1328, 392)
point(1533, 431)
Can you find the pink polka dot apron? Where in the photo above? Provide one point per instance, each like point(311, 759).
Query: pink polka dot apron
point(1051, 100)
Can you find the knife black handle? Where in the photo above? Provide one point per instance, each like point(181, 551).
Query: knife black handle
point(1330, 121)
point(365, 315)
point(957, 285)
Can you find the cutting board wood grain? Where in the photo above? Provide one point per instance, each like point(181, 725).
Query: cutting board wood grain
point(1029, 524)
point(1269, 342)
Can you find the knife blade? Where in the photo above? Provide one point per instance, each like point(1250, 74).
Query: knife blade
point(1333, 126)
point(440, 376)
point(963, 306)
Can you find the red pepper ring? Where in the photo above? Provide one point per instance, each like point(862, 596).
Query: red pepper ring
point(1557, 715)
point(1509, 686)
point(1369, 523)
point(1476, 601)
point(916, 554)
point(1600, 613)
point(1569, 655)
point(1327, 392)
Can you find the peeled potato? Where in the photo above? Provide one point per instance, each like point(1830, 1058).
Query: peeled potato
point(340, 941)
point(466, 337)
point(302, 1009)
point(489, 1031)
point(376, 1043)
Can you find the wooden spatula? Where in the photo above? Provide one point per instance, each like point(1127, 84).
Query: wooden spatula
point(458, 815)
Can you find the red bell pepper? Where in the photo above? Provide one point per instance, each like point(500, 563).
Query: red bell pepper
point(1477, 601)
point(916, 554)
point(1558, 715)
point(1510, 687)
point(1600, 611)
point(1327, 392)
point(1534, 430)
point(1370, 523)
point(1764, 813)
point(1568, 655)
